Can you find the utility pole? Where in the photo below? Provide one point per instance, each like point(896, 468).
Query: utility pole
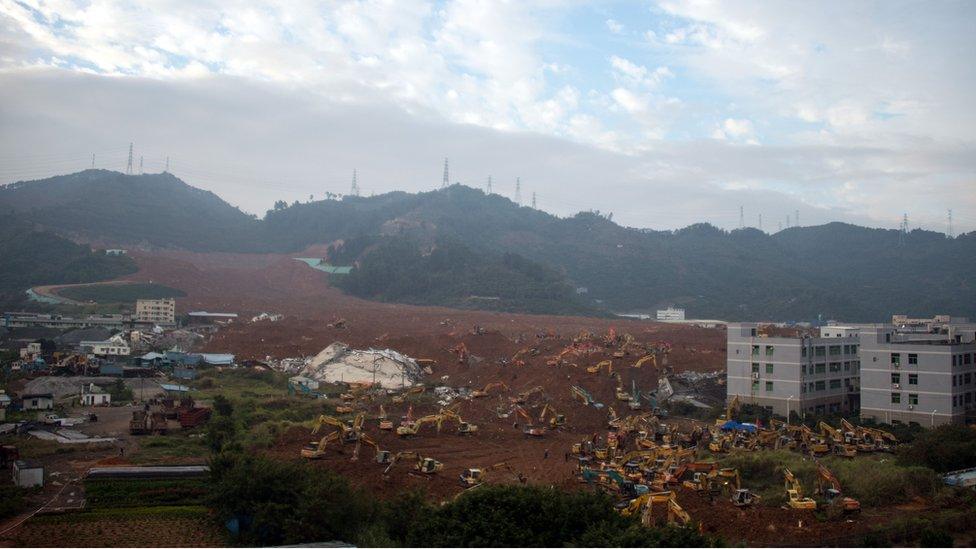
point(128, 167)
point(446, 181)
point(518, 191)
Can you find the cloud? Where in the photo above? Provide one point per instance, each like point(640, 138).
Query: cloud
point(614, 26)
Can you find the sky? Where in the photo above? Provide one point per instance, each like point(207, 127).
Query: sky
point(665, 113)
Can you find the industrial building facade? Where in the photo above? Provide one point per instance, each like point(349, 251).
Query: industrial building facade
point(911, 376)
point(816, 375)
point(923, 372)
point(157, 311)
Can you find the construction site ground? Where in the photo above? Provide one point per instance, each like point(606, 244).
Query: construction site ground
point(251, 284)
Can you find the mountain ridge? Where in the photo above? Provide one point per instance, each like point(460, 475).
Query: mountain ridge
point(835, 270)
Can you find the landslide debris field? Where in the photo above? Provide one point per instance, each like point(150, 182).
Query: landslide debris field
point(316, 316)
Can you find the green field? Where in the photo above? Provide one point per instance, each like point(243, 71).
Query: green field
point(118, 293)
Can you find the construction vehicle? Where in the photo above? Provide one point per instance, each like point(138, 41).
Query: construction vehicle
point(608, 364)
point(524, 396)
point(652, 358)
point(464, 428)
point(413, 428)
point(385, 424)
point(516, 360)
point(829, 487)
point(555, 418)
point(344, 434)
point(461, 350)
point(644, 505)
point(469, 478)
point(794, 493)
point(487, 389)
point(621, 394)
point(729, 481)
point(731, 411)
point(585, 397)
point(424, 465)
point(530, 430)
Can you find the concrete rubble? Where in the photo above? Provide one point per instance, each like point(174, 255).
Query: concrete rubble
point(388, 369)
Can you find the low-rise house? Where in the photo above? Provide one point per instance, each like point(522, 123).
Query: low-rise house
point(37, 401)
point(27, 474)
point(113, 346)
point(93, 395)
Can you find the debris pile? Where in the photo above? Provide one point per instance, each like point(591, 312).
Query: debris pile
point(272, 317)
point(385, 368)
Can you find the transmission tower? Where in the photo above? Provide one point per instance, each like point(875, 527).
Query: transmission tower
point(950, 225)
point(518, 191)
point(796, 217)
point(140, 165)
point(167, 164)
point(533, 200)
point(742, 219)
point(128, 167)
point(787, 221)
point(93, 161)
point(489, 185)
point(903, 229)
point(446, 180)
point(355, 184)
point(760, 222)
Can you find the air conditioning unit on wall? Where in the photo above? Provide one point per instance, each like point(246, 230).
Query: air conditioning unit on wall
point(911, 407)
point(897, 385)
point(755, 375)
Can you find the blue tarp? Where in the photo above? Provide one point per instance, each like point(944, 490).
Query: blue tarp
point(733, 425)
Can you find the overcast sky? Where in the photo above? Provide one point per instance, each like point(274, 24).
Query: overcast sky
point(664, 113)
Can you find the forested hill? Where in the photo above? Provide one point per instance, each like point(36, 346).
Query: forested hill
point(30, 257)
point(835, 270)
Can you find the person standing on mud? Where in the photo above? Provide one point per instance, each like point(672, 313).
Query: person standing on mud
point(546, 455)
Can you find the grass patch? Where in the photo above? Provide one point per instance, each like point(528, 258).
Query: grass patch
point(144, 493)
point(118, 293)
point(166, 447)
point(762, 472)
point(127, 513)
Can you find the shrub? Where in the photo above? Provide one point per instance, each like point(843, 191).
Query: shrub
point(875, 483)
point(945, 448)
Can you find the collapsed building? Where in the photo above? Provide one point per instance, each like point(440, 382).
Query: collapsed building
point(384, 368)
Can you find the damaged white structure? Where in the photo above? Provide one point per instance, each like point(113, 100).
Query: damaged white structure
point(385, 368)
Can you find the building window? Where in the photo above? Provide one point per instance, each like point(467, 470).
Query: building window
point(913, 379)
point(953, 360)
point(896, 398)
point(913, 399)
point(853, 349)
point(755, 350)
point(896, 378)
point(912, 358)
point(820, 368)
point(803, 351)
point(968, 378)
point(847, 366)
point(769, 350)
point(967, 358)
point(755, 367)
point(821, 385)
point(769, 368)
point(755, 385)
point(769, 385)
point(835, 384)
point(954, 401)
point(803, 369)
point(969, 398)
point(835, 366)
point(834, 350)
point(953, 381)
point(847, 349)
point(820, 351)
point(896, 358)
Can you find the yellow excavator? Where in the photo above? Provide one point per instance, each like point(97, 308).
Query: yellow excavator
point(470, 478)
point(829, 487)
point(621, 393)
point(480, 393)
point(644, 504)
point(555, 418)
point(729, 481)
point(608, 364)
point(424, 465)
point(524, 396)
point(530, 430)
point(731, 411)
point(464, 428)
point(414, 427)
point(652, 358)
point(794, 493)
point(384, 421)
point(344, 434)
point(836, 440)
